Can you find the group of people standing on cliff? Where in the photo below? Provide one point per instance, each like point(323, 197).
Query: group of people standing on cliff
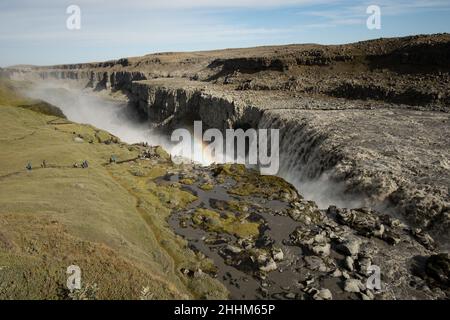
point(83, 165)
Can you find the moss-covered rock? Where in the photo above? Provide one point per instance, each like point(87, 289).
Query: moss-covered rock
point(225, 223)
point(206, 186)
point(250, 183)
point(187, 181)
point(44, 108)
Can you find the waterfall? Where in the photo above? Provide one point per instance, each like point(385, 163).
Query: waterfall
point(308, 161)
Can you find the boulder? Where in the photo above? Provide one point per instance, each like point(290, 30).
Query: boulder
point(271, 265)
point(353, 285)
point(437, 267)
point(323, 294)
point(322, 250)
point(350, 247)
point(278, 254)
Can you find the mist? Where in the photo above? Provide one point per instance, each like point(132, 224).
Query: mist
point(323, 190)
point(115, 116)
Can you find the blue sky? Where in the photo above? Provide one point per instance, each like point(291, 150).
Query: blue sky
point(34, 31)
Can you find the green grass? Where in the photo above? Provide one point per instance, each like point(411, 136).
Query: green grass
point(105, 219)
point(44, 108)
point(10, 93)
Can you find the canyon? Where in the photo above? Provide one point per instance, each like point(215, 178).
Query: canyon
point(364, 133)
point(367, 119)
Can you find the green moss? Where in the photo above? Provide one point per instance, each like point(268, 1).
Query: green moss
point(228, 223)
point(237, 206)
point(250, 182)
point(229, 170)
point(207, 186)
point(187, 181)
point(244, 189)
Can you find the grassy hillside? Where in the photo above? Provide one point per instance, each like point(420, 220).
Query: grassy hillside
point(107, 219)
point(9, 93)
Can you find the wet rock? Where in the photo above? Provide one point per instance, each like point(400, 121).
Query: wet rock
point(271, 265)
point(424, 239)
point(305, 283)
point(322, 250)
point(336, 273)
point(264, 292)
point(349, 263)
point(369, 294)
point(367, 223)
point(277, 296)
point(278, 254)
point(315, 240)
point(345, 275)
point(262, 258)
point(316, 263)
point(379, 231)
point(365, 297)
point(353, 285)
point(290, 296)
point(323, 294)
point(214, 240)
point(437, 267)
point(363, 264)
point(350, 247)
point(306, 212)
point(362, 220)
point(233, 249)
point(391, 238)
point(247, 244)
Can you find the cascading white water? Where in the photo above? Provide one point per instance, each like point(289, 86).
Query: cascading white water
point(305, 163)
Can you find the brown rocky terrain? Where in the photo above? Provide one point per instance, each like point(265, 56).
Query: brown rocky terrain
point(412, 70)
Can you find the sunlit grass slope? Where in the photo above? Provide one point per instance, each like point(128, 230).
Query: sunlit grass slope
point(105, 219)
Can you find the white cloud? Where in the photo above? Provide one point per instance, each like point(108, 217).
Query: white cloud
point(351, 14)
point(120, 27)
point(165, 4)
